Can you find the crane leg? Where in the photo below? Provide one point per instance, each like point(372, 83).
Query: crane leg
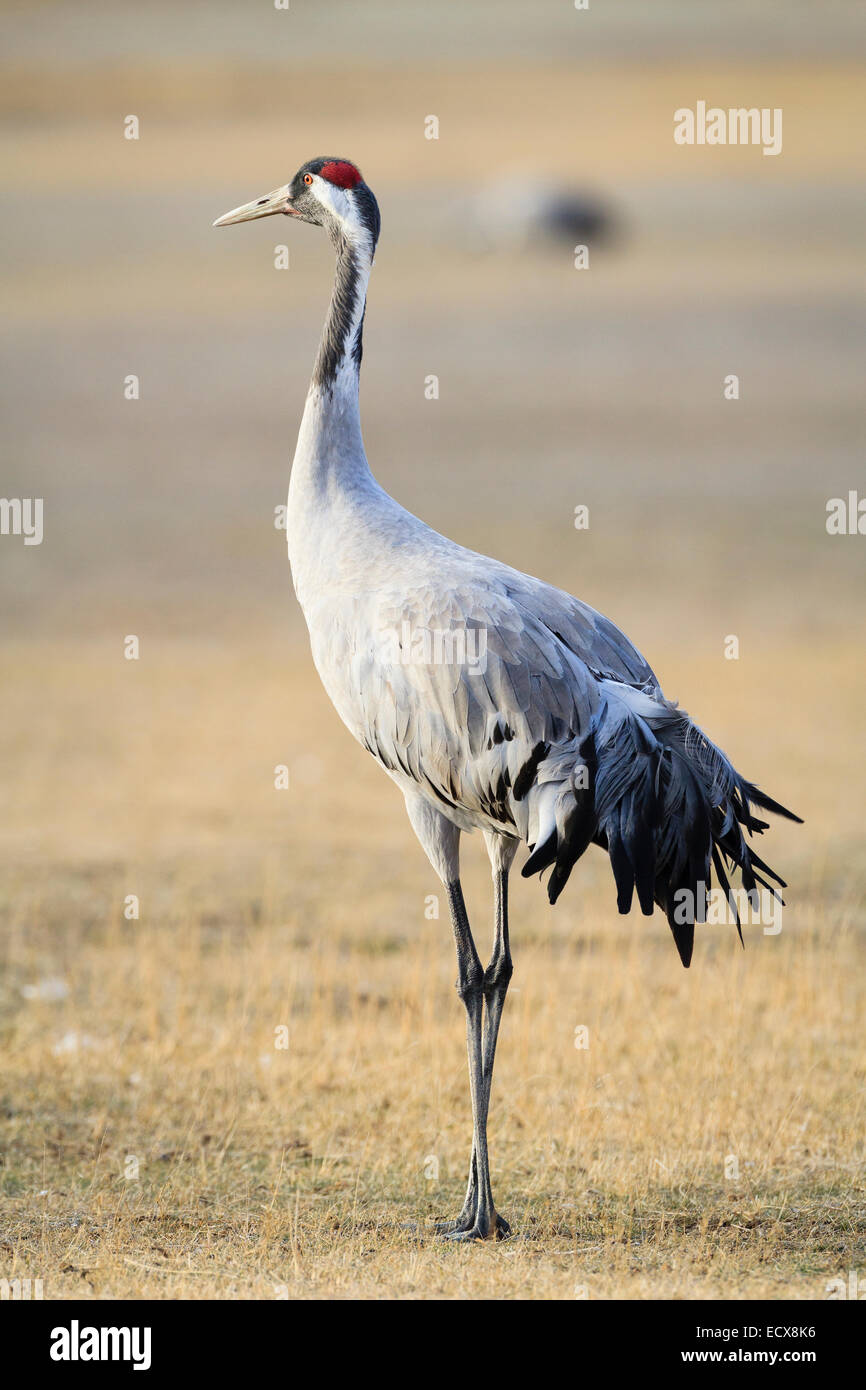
point(483, 994)
point(497, 977)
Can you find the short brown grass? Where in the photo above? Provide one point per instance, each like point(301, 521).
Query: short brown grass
point(159, 1144)
point(155, 1141)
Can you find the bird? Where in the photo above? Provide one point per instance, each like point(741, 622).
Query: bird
point(493, 700)
point(523, 211)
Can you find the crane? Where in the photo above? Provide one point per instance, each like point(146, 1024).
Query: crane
point(494, 701)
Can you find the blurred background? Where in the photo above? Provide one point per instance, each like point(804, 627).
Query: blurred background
point(558, 387)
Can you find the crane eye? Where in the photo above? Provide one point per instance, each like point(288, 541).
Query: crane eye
point(308, 179)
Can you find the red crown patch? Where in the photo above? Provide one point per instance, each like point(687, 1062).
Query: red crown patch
point(341, 173)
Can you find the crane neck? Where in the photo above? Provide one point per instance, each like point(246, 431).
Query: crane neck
point(340, 350)
point(330, 440)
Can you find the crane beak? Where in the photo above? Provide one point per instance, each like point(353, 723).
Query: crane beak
point(278, 201)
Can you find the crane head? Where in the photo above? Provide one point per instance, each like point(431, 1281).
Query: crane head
point(327, 192)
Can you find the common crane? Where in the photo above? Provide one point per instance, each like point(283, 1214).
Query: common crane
point(493, 700)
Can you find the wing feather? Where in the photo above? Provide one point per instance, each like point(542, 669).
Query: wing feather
point(456, 672)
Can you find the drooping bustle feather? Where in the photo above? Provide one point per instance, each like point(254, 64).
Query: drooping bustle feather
point(668, 807)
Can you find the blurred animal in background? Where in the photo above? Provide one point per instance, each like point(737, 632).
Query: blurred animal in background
point(523, 212)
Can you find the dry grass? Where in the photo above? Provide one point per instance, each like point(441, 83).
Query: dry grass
point(155, 1141)
point(262, 1169)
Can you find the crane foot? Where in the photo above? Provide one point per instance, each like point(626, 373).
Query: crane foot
point(497, 1229)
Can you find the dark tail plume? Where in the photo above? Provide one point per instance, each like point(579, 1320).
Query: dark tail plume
point(668, 807)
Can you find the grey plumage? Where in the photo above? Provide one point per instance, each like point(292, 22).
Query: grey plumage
point(573, 694)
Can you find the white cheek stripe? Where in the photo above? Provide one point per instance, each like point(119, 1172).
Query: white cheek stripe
point(334, 199)
point(338, 202)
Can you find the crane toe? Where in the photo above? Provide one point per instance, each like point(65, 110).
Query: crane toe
point(497, 1229)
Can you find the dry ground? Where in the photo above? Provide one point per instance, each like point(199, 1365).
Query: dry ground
point(155, 1140)
point(160, 1143)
